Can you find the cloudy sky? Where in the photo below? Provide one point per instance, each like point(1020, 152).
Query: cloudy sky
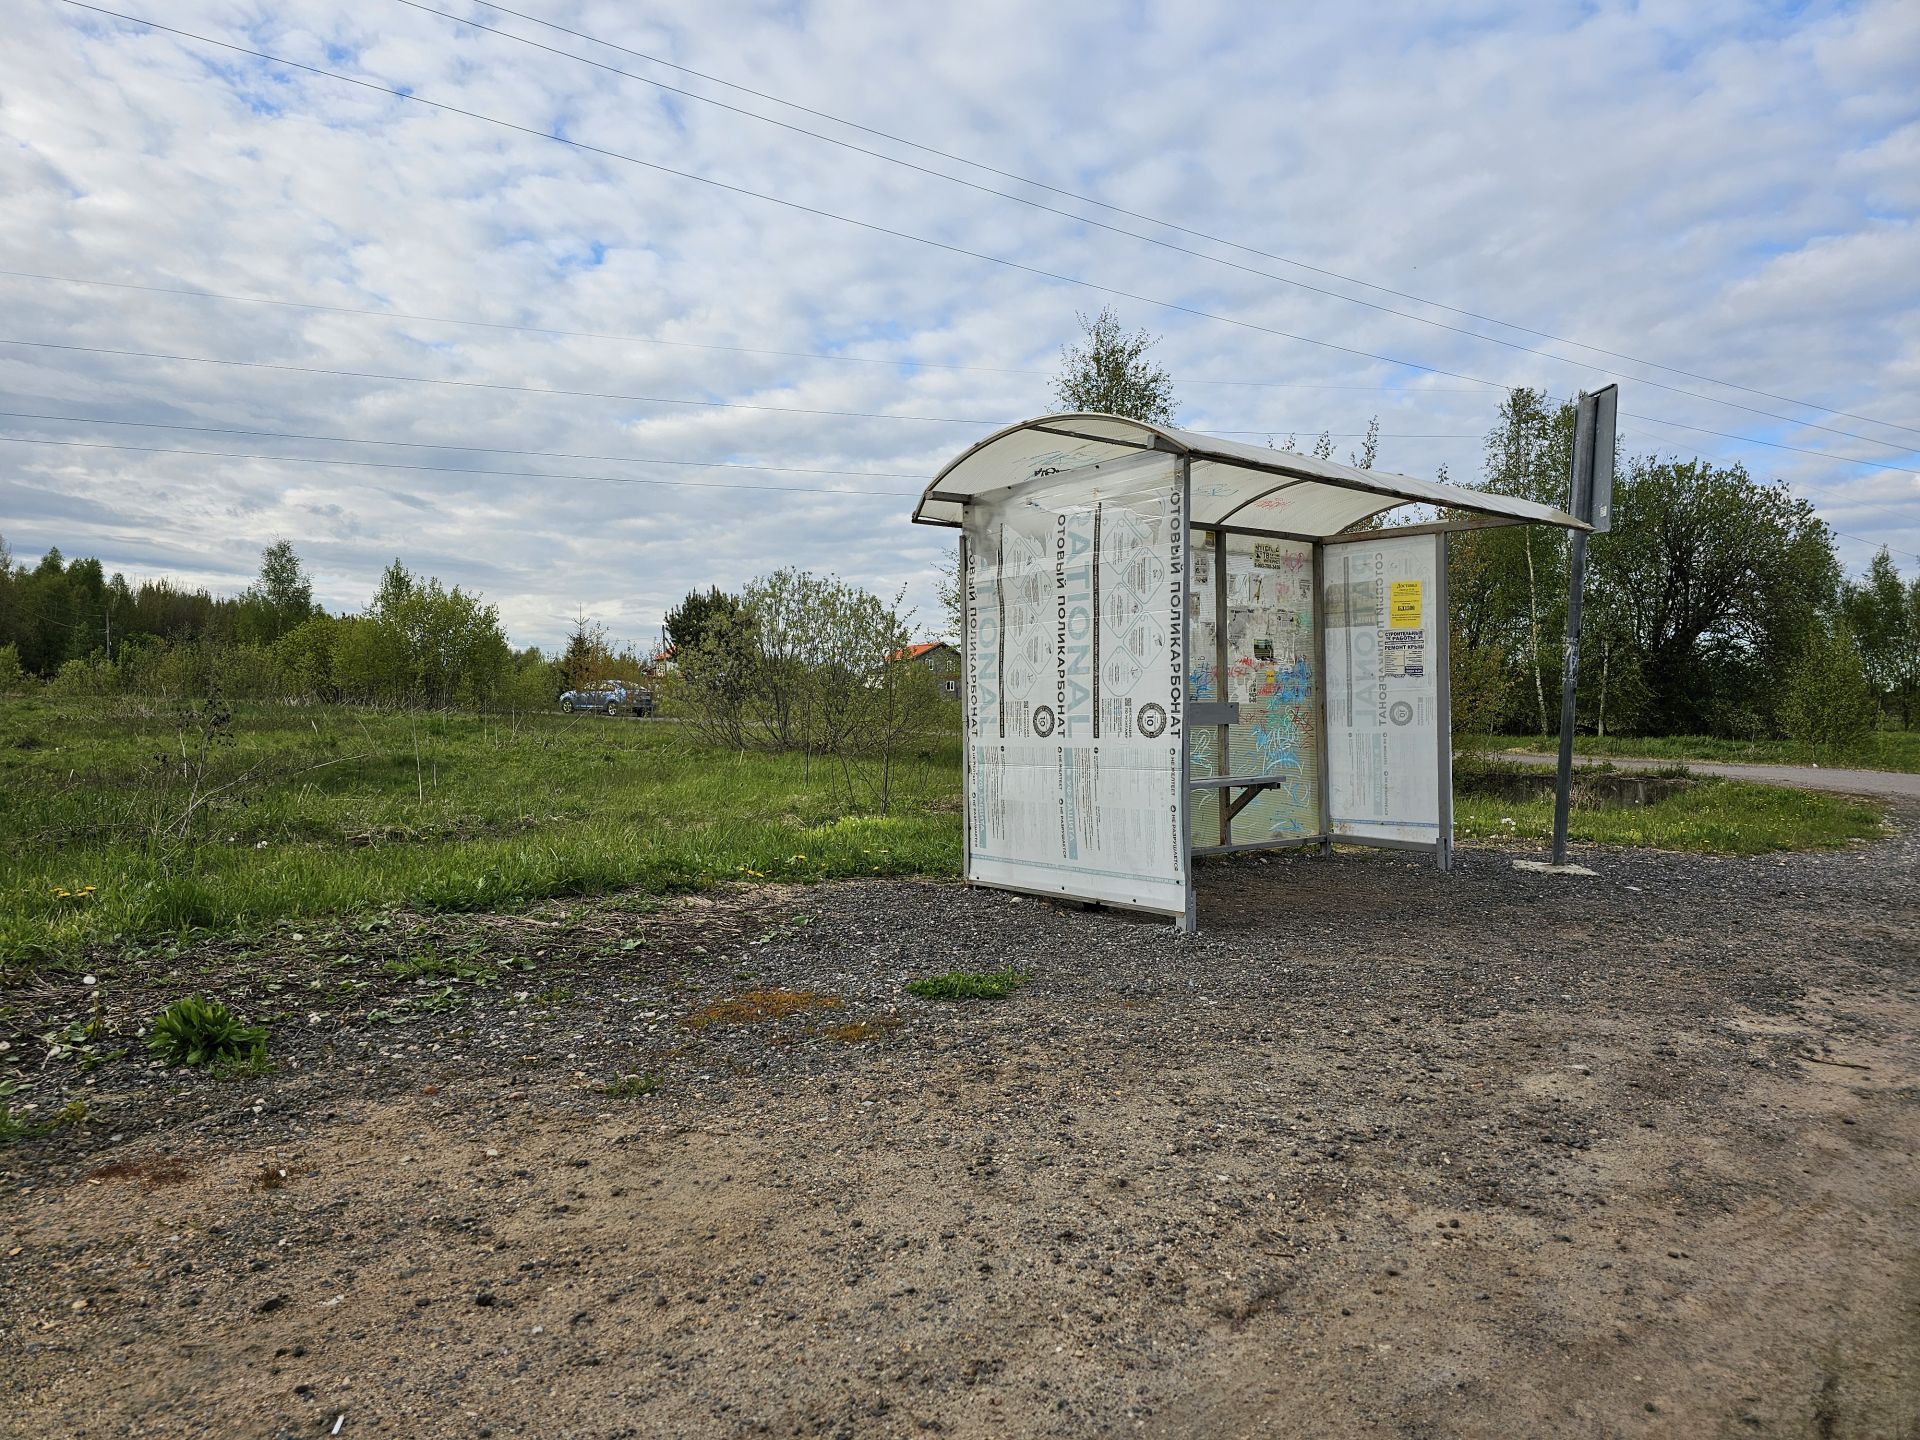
point(1729, 190)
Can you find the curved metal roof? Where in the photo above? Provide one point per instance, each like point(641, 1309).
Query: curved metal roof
point(1251, 487)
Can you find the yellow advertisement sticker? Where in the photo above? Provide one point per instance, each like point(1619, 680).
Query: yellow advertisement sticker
point(1403, 605)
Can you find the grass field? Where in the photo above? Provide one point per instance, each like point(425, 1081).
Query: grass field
point(124, 820)
point(128, 820)
point(1729, 817)
point(1883, 750)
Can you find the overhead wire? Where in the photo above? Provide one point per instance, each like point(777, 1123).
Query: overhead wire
point(783, 409)
point(1152, 220)
point(453, 445)
point(900, 364)
point(585, 147)
point(456, 469)
point(795, 205)
point(941, 245)
point(486, 384)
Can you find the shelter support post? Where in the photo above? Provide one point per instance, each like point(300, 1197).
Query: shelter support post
point(1443, 692)
point(1188, 923)
point(963, 579)
point(1320, 687)
point(1223, 735)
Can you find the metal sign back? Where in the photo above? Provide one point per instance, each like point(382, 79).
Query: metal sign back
point(1599, 417)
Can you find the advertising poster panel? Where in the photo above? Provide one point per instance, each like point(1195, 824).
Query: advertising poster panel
point(1075, 686)
point(1388, 771)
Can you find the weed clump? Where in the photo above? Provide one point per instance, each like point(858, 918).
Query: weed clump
point(195, 1031)
point(631, 1087)
point(969, 984)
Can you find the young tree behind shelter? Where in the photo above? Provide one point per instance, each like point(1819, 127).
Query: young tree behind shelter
point(1108, 372)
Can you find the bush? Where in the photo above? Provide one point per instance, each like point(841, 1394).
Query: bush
point(246, 672)
point(1828, 706)
point(12, 675)
point(82, 679)
point(194, 1031)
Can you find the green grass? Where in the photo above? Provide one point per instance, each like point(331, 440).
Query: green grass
point(1728, 817)
point(968, 985)
point(1883, 750)
point(339, 811)
point(308, 813)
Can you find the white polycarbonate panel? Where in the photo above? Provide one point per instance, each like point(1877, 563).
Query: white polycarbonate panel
point(1385, 687)
point(1074, 686)
point(1308, 508)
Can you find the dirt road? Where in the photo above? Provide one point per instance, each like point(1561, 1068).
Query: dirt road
point(1383, 1152)
point(1886, 784)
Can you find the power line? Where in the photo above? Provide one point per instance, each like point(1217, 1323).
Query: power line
point(796, 205)
point(452, 445)
point(376, 314)
point(1845, 535)
point(779, 409)
point(515, 474)
point(488, 384)
point(575, 455)
point(832, 215)
point(455, 469)
point(1774, 444)
point(1149, 219)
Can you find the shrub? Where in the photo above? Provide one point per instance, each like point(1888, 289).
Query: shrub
point(195, 1031)
point(1828, 706)
point(82, 679)
point(12, 675)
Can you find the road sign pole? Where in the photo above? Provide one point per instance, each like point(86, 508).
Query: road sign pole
point(1589, 498)
point(1569, 676)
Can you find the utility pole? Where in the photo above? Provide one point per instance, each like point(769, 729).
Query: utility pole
point(1589, 498)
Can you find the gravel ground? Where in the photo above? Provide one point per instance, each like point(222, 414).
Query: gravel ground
point(1382, 1152)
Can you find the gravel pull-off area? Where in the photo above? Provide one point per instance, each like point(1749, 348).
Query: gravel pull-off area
point(1382, 1152)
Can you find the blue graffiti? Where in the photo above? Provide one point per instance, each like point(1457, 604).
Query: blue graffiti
point(1292, 683)
point(1200, 680)
point(1278, 739)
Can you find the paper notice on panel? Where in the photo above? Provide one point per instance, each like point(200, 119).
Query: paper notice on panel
point(1384, 712)
point(1075, 678)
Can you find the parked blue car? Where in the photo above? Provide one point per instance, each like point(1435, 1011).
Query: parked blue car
point(609, 697)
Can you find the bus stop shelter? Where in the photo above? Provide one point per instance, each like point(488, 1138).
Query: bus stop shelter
point(1178, 645)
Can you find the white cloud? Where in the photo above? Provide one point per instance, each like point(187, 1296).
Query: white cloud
point(1721, 190)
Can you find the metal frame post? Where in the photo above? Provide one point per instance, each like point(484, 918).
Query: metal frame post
point(1443, 693)
point(967, 700)
point(1223, 734)
point(1322, 750)
point(1188, 923)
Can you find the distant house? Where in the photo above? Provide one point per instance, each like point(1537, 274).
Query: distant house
point(940, 658)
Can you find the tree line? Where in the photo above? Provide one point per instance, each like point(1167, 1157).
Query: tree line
point(1716, 605)
point(417, 641)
